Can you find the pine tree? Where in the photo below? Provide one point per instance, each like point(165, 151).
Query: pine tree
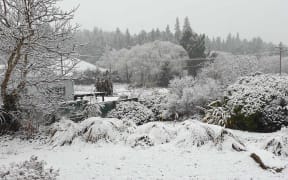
point(168, 34)
point(177, 31)
point(118, 39)
point(165, 74)
point(128, 41)
point(193, 43)
point(153, 35)
point(158, 34)
point(187, 26)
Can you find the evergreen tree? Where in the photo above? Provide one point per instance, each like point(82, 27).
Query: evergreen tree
point(142, 37)
point(153, 35)
point(128, 41)
point(165, 74)
point(178, 33)
point(168, 34)
point(158, 34)
point(118, 39)
point(193, 43)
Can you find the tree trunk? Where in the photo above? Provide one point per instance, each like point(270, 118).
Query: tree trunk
point(10, 102)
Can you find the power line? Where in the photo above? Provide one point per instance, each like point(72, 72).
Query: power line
point(281, 50)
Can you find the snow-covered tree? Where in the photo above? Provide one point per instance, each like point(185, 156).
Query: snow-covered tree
point(142, 64)
point(177, 30)
point(35, 38)
point(193, 43)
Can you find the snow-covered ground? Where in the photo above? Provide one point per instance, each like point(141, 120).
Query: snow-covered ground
point(176, 154)
point(101, 149)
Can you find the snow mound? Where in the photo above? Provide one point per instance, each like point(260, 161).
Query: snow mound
point(91, 130)
point(96, 129)
point(150, 134)
point(190, 133)
point(193, 133)
point(278, 145)
point(32, 169)
point(63, 132)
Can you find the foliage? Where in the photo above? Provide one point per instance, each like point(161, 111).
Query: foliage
point(234, 44)
point(193, 43)
point(144, 65)
point(93, 110)
point(8, 122)
point(216, 113)
point(92, 130)
point(157, 103)
point(134, 111)
point(227, 68)
point(32, 169)
point(188, 95)
point(36, 37)
point(255, 103)
point(278, 144)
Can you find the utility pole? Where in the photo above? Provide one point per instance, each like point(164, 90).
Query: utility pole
point(62, 69)
point(281, 50)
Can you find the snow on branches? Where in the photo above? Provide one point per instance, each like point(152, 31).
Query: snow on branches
point(257, 103)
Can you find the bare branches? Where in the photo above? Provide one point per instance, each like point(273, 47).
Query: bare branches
point(34, 35)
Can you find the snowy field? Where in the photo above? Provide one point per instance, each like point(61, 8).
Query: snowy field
point(179, 151)
point(112, 149)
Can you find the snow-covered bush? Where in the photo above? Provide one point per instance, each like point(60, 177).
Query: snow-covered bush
point(188, 95)
point(93, 110)
point(216, 114)
point(190, 133)
point(278, 145)
point(152, 133)
point(257, 103)
point(177, 85)
point(134, 111)
point(96, 129)
point(90, 130)
point(64, 132)
point(32, 169)
point(227, 68)
point(193, 133)
point(157, 103)
point(8, 122)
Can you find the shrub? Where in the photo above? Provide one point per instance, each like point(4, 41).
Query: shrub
point(254, 103)
point(227, 68)
point(157, 103)
point(188, 95)
point(93, 110)
point(32, 169)
point(134, 111)
point(278, 145)
point(8, 122)
point(92, 130)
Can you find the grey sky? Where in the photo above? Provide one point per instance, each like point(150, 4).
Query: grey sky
point(265, 18)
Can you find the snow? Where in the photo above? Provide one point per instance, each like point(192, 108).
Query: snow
point(165, 159)
point(79, 66)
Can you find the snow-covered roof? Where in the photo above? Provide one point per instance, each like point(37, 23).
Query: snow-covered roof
point(82, 66)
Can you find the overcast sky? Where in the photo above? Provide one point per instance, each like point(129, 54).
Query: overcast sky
point(265, 18)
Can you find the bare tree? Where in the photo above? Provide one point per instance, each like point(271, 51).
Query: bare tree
point(36, 36)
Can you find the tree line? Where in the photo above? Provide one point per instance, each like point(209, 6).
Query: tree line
point(97, 41)
point(236, 45)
